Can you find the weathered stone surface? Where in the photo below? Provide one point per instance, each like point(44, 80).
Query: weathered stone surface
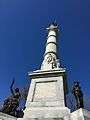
point(49, 89)
point(6, 117)
point(81, 114)
point(45, 91)
point(47, 112)
point(42, 119)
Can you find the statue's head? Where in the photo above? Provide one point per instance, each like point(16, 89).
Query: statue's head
point(16, 90)
point(76, 83)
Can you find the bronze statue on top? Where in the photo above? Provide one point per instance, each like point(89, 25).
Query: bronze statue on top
point(77, 92)
point(12, 103)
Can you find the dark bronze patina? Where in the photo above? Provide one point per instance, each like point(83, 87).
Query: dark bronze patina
point(77, 92)
point(12, 103)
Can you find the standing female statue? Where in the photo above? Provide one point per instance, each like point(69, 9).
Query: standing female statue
point(77, 92)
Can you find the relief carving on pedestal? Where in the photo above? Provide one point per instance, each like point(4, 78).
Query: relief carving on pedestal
point(51, 60)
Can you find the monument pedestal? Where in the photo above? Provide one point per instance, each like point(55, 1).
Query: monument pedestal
point(46, 97)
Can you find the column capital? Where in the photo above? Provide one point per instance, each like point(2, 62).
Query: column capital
point(53, 26)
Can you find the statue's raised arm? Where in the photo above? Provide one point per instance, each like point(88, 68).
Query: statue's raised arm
point(11, 87)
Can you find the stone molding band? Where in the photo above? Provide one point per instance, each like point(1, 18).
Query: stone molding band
point(51, 42)
point(50, 52)
point(51, 35)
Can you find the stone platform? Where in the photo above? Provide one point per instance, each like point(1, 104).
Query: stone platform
point(63, 114)
point(6, 117)
point(81, 114)
point(47, 113)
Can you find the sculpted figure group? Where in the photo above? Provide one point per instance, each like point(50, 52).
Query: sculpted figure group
point(51, 60)
point(12, 103)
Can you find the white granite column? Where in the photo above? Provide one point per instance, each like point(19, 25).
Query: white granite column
point(50, 57)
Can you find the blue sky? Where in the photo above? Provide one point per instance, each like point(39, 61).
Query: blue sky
point(23, 35)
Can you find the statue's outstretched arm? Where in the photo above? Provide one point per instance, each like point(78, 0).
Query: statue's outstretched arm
point(11, 87)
